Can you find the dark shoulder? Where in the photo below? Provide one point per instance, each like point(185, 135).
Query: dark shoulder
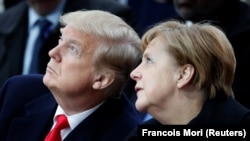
point(20, 7)
point(28, 84)
point(246, 119)
point(9, 19)
point(24, 80)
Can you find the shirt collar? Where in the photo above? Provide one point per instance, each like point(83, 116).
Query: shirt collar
point(75, 119)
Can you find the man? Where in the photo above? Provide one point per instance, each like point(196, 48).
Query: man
point(85, 77)
point(19, 30)
point(233, 17)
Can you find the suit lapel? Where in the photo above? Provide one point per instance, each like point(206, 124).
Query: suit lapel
point(96, 126)
point(36, 122)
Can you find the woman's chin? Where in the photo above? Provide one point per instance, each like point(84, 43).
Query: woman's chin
point(140, 106)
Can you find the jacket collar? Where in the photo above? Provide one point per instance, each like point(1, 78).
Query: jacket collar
point(35, 124)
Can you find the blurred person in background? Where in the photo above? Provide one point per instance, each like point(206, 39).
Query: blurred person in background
point(19, 31)
point(233, 17)
point(149, 12)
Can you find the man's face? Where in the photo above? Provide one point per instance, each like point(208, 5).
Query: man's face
point(70, 69)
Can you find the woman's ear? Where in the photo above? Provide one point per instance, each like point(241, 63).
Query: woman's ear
point(103, 79)
point(186, 75)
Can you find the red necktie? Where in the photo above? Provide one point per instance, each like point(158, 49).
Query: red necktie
point(55, 133)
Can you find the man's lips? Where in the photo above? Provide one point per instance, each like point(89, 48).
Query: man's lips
point(49, 68)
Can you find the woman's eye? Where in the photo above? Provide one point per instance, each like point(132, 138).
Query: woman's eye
point(148, 60)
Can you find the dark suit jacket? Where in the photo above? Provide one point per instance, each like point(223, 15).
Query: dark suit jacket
point(217, 113)
point(27, 109)
point(13, 33)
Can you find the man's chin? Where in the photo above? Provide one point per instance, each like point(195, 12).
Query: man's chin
point(47, 80)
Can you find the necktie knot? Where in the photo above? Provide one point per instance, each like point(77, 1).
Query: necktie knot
point(62, 122)
point(55, 133)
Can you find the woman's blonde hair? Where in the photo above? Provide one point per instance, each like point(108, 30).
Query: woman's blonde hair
point(205, 47)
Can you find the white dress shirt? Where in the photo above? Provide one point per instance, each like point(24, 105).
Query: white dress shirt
point(73, 120)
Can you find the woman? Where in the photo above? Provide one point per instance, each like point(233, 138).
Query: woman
point(186, 76)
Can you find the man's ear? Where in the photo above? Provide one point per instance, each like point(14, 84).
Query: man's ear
point(103, 79)
point(185, 75)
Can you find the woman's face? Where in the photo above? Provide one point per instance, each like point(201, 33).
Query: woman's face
point(156, 77)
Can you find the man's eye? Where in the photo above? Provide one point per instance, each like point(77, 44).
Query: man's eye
point(73, 49)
